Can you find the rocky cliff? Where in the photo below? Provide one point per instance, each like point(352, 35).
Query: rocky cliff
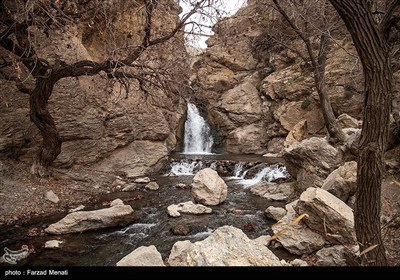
point(257, 92)
point(100, 123)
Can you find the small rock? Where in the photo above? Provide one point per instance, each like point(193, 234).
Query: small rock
point(171, 174)
point(116, 202)
point(96, 186)
point(129, 187)
point(80, 207)
point(180, 230)
point(275, 213)
point(52, 244)
point(273, 155)
point(118, 182)
point(51, 196)
point(152, 186)
point(143, 180)
point(33, 232)
point(187, 207)
point(181, 186)
point(298, 262)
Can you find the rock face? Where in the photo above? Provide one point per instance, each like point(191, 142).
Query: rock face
point(298, 239)
point(311, 161)
point(250, 83)
point(187, 207)
point(226, 246)
point(142, 256)
point(271, 191)
point(328, 215)
point(117, 215)
point(98, 123)
point(342, 182)
point(208, 187)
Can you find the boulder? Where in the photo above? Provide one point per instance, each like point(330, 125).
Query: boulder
point(298, 239)
point(52, 244)
point(271, 191)
point(346, 121)
point(327, 215)
point(331, 256)
point(311, 161)
point(275, 213)
point(226, 246)
point(142, 256)
point(208, 187)
point(342, 182)
point(116, 215)
point(152, 186)
point(298, 133)
point(187, 207)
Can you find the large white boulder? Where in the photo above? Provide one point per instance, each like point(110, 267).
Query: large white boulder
point(142, 256)
point(226, 246)
point(327, 215)
point(208, 187)
point(272, 191)
point(116, 215)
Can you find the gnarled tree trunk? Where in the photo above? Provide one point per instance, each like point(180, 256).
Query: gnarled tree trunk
point(40, 116)
point(375, 57)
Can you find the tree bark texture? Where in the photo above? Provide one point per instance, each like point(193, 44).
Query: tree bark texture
point(40, 116)
point(375, 57)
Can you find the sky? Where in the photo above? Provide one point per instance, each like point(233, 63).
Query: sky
point(227, 8)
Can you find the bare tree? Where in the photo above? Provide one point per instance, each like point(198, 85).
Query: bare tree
point(20, 17)
point(371, 33)
point(312, 20)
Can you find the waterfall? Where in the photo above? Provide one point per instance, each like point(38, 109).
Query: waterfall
point(197, 138)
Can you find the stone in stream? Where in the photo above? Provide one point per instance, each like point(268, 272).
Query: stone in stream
point(208, 187)
point(142, 180)
point(52, 244)
point(153, 186)
point(180, 230)
point(275, 213)
point(187, 207)
point(226, 246)
point(142, 256)
point(116, 215)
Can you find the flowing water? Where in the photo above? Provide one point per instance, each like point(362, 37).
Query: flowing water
point(153, 225)
point(197, 137)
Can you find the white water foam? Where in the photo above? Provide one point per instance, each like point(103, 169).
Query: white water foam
point(197, 138)
point(185, 168)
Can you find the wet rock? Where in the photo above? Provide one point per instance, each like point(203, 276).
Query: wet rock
point(328, 215)
point(51, 196)
point(52, 244)
point(275, 213)
point(187, 207)
point(142, 180)
point(208, 187)
point(298, 239)
point(226, 246)
point(116, 215)
point(342, 182)
point(181, 186)
point(180, 230)
point(152, 186)
point(271, 191)
point(118, 182)
point(142, 256)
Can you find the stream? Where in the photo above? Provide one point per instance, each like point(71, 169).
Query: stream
point(153, 225)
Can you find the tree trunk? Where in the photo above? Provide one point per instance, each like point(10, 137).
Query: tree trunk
point(335, 132)
point(40, 116)
point(375, 57)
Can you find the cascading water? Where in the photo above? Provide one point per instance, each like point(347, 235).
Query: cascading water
point(197, 138)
